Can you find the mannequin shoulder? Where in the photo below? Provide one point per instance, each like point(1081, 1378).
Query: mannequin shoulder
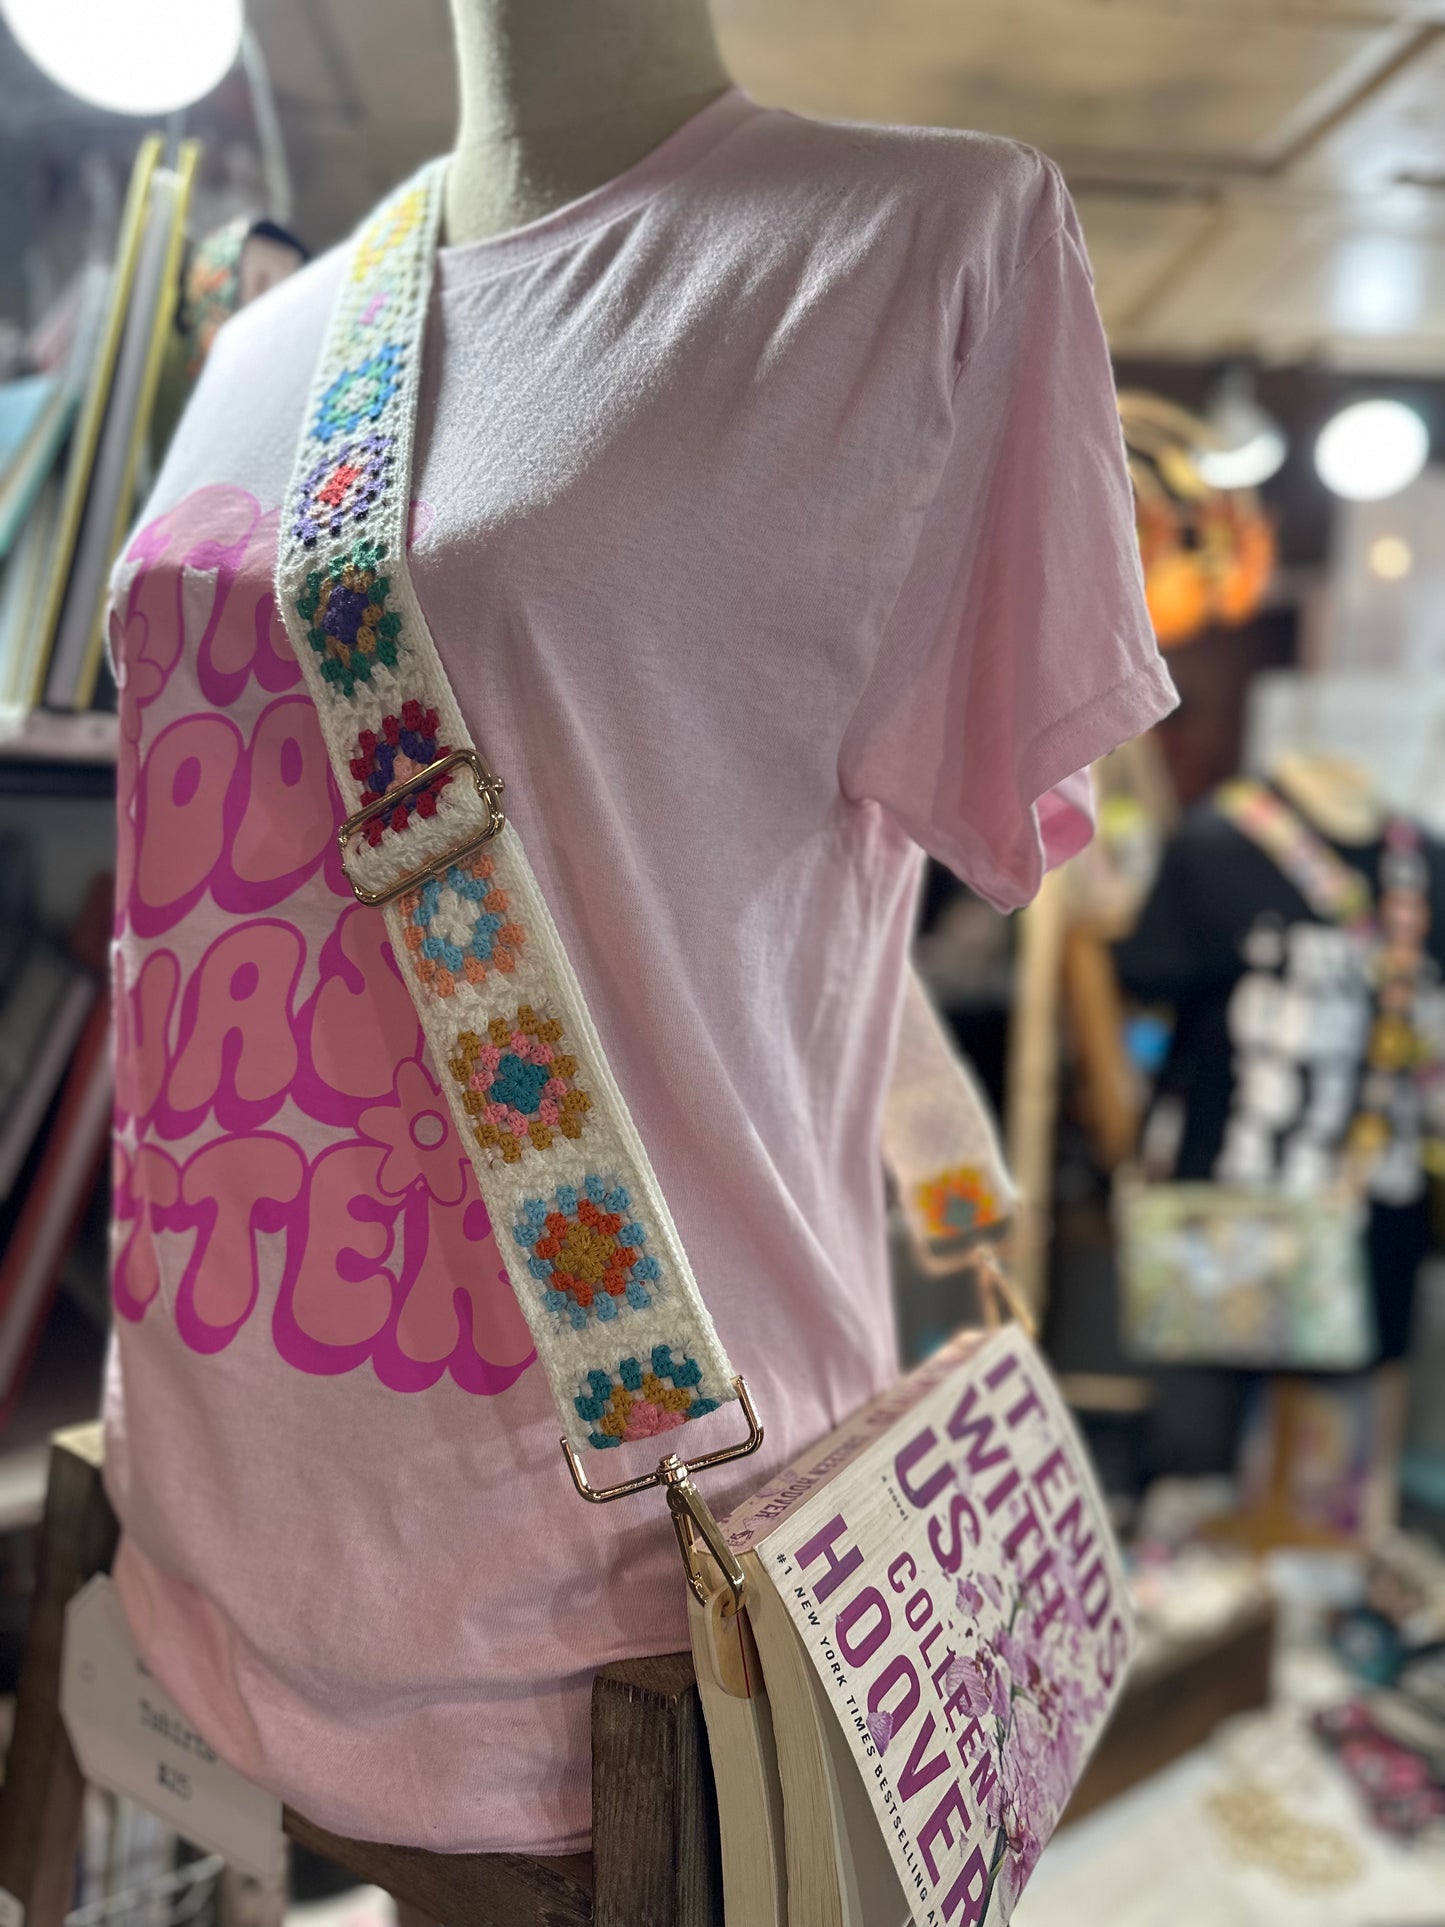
point(948, 178)
point(958, 212)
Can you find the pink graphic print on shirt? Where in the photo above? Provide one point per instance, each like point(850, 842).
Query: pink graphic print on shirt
point(283, 1148)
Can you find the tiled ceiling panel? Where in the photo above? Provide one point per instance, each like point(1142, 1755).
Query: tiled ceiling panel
point(1133, 239)
point(1301, 285)
point(1102, 77)
point(1397, 135)
point(1253, 175)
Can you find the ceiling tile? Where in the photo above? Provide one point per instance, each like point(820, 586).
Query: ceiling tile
point(1188, 82)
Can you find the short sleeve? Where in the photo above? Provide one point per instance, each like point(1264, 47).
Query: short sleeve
point(1019, 648)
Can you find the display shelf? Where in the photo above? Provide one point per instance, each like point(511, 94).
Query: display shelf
point(45, 753)
point(62, 1388)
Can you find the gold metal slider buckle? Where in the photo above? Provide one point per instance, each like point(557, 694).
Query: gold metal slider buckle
point(692, 1517)
point(489, 788)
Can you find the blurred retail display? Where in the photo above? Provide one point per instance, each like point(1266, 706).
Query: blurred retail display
point(55, 1125)
point(1208, 550)
point(70, 525)
point(1303, 972)
point(227, 269)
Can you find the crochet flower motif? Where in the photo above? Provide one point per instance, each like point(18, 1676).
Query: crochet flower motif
point(457, 926)
point(377, 307)
point(341, 486)
point(391, 225)
point(640, 1403)
point(406, 745)
point(956, 1202)
point(358, 394)
point(349, 624)
point(586, 1250)
point(520, 1089)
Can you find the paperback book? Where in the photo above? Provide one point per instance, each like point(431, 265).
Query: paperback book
point(936, 1625)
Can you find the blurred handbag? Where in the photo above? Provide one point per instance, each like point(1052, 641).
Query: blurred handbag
point(1219, 1275)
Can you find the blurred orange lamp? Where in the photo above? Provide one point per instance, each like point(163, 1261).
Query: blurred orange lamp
point(1208, 552)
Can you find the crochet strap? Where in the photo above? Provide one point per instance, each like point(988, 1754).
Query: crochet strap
point(1335, 890)
point(590, 1247)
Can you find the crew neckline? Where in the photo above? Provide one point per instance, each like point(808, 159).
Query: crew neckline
point(467, 261)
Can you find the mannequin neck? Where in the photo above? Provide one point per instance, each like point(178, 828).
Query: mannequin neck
point(1339, 797)
point(560, 96)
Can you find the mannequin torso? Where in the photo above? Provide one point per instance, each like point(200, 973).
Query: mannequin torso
point(558, 96)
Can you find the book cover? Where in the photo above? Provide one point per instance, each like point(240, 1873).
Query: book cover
point(69, 1167)
point(46, 409)
point(83, 442)
point(945, 1563)
point(172, 192)
point(22, 597)
point(150, 309)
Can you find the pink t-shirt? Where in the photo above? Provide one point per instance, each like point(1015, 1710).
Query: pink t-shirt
point(771, 519)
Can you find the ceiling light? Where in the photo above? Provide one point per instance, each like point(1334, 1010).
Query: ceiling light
point(1391, 557)
point(130, 56)
point(1249, 445)
point(1378, 285)
point(1371, 449)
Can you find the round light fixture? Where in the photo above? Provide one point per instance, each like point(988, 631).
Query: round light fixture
point(130, 56)
point(1371, 449)
point(1391, 557)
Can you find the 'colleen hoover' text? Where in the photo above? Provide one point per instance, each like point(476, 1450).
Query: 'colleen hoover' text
point(995, 1487)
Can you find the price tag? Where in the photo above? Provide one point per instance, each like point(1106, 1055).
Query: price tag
point(131, 1737)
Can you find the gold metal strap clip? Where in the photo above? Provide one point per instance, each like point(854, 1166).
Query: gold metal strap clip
point(692, 1517)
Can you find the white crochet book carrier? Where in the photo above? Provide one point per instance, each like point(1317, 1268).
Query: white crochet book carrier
point(592, 1252)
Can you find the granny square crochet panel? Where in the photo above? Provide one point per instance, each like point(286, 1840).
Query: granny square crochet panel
point(519, 1084)
point(342, 489)
point(591, 1249)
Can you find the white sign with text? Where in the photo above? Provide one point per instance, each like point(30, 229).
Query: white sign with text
point(132, 1738)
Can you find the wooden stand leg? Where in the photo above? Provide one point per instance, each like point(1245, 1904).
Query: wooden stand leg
point(40, 1804)
point(654, 1815)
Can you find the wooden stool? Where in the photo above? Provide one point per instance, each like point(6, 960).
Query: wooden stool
point(654, 1861)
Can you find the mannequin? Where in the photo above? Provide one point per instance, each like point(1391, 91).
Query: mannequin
point(558, 96)
point(659, 289)
point(1338, 796)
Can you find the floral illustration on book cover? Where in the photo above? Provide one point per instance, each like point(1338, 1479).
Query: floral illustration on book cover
point(960, 1597)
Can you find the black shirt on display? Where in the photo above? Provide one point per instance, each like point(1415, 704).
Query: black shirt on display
point(1269, 1040)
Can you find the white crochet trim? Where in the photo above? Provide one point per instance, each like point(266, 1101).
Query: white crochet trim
point(390, 274)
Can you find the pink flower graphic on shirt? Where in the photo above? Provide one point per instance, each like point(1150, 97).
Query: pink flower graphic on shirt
point(421, 1147)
